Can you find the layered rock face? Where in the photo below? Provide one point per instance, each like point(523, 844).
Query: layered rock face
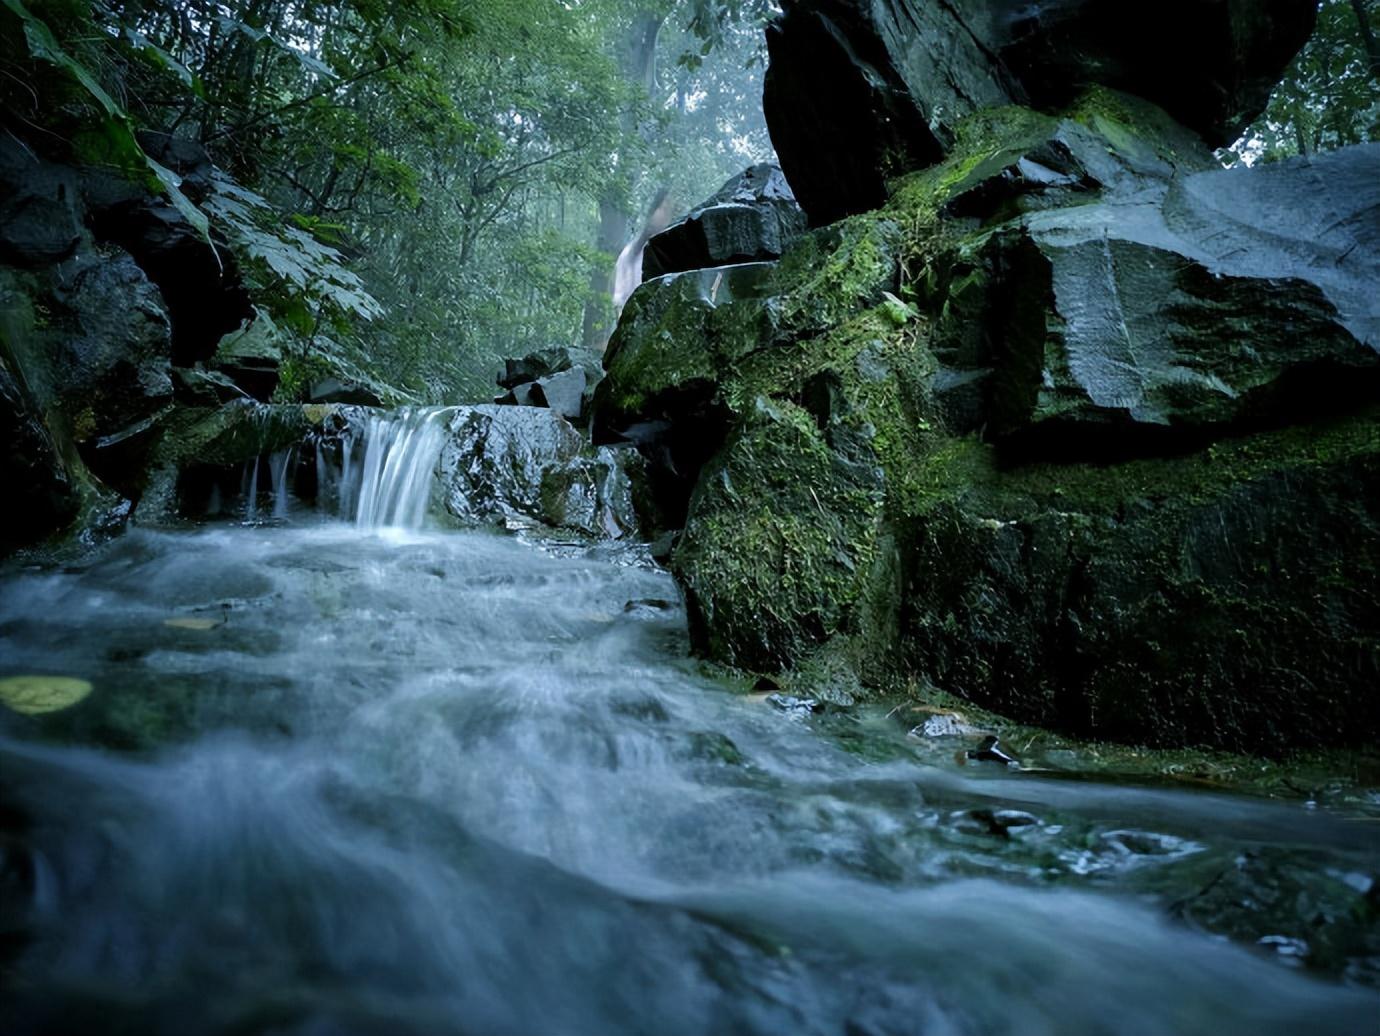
point(1076, 424)
point(751, 218)
point(902, 75)
point(111, 303)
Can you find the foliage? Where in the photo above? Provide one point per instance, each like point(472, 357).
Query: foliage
point(1330, 96)
point(422, 183)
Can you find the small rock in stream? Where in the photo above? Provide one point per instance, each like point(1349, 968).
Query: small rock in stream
point(996, 822)
point(793, 706)
point(990, 751)
point(944, 725)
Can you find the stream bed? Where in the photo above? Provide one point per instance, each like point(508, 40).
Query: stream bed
point(333, 781)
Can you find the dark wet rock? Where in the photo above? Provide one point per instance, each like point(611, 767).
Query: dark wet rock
point(535, 365)
point(42, 497)
point(40, 207)
point(661, 547)
point(183, 156)
point(750, 219)
point(112, 367)
point(252, 357)
point(201, 285)
point(858, 93)
point(197, 386)
point(530, 463)
point(999, 823)
point(335, 390)
point(519, 395)
point(1290, 906)
point(991, 751)
point(780, 490)
point(591, 494)
point(908, 441)
point(564, 393)
point(1192, 302)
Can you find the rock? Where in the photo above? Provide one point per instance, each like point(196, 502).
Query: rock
point(42, 496)
point(111, 363)
point(530, 463)
point(535, 365)
point(564, 393)
point(782, 538)
point(185, 157)
point(252, 356)
point(944, 724)
point(998, 823)
point(592, 495)
point(893, 445)
point(990, 751)
point(201, 286)
point(792, 706)
point(1175, 306)
point(199, 387)
point(40, 207)
point(1204, 599)
point(750, 219)
point(858, 93)
point(519, 395)
point(334, 390)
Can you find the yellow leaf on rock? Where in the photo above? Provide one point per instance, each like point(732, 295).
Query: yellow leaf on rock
point(34, 695)
point(192, 624)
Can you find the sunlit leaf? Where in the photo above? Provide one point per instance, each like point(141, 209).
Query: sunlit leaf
point(33, 695)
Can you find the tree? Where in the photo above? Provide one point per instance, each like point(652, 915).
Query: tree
point(1330, 96)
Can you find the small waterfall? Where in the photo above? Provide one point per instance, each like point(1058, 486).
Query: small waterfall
point(400, 454)
point(251, 491)
point(279, 465)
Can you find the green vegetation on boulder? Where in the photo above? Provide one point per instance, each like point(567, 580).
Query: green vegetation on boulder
point(1060, 429)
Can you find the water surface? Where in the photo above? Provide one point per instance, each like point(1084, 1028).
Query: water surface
point(453, 783)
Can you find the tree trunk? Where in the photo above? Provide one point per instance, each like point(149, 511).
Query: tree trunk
point(1368, 39)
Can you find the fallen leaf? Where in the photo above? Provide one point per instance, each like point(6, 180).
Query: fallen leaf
point(34, 694)
point(192, 624)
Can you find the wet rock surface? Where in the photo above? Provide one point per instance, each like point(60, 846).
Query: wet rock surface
point(859, 92)
point(529, 463)
point(752, 218)
point(1075, 426)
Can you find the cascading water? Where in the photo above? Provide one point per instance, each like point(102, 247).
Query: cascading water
point(448, 783)
point(400, 454)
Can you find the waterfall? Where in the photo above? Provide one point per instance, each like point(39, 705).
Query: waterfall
point(400, 454)
point(279, 466)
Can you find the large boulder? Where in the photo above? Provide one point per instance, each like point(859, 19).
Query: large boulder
point(529, 465)
point(1166, 306)
point(111, 358)
point(860, 91)
point(751, 218)
point(40, 207)
point(205, 296)
point(1074, 426)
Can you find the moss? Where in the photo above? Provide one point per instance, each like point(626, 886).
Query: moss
point(1136, 127)
point(779, 541)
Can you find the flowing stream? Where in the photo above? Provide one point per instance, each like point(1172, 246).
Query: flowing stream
point(339, 779)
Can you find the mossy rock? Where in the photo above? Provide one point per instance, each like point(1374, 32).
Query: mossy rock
point(781, 539)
